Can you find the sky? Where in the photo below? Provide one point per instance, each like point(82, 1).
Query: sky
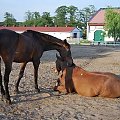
point(18, 7)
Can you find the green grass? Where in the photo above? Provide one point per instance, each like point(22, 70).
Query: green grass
point(84, 42)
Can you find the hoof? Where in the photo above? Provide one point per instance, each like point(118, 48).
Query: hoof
point(16, 91)
point(55, 88)
point(8, 102)
point(37, 90)
point(2, 97)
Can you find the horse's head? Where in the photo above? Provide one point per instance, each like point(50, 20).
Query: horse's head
point(61, 64)
point(65, 53)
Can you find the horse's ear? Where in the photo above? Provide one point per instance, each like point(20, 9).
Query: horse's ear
point(57, 56)
point(65, 41)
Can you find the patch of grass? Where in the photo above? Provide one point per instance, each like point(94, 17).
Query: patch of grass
point(84, 42)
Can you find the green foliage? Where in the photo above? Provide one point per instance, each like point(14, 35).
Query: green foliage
point(34, 19)
point(60, 18)
point(64, 16)
point(71, 16)
point(72, 10)
point(112, 23)
point(9, 19)
point(29, 23)
point(36, 15)
point(86, 13)
point(30, 18)
point(84, 42)
point(29, 15)
point(46, 19)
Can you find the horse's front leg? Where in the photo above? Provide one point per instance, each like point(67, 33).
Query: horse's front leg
point(21, 73)
point(36, 66)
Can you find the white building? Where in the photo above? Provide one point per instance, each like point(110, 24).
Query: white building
point(72, 34)
point(95, 28)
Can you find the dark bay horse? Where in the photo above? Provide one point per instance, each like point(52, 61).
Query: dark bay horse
point(27, 47)
point(76, 79)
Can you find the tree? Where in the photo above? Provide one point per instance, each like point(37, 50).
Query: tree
point(46, 19)
point(112, 23)
point(34, 19)
point(9, 19)
point(60, 18)
point(29, 15)
point(36, 15)
point(79, 19)
point(29, 18)
point(86, 13)
point(72, 10)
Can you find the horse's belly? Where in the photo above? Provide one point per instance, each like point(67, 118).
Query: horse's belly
point(86, 92)
point(20, 58)
point(86, 89)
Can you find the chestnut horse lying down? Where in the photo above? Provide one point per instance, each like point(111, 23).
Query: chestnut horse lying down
point(76, 79)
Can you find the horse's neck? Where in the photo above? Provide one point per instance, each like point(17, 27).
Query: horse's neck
point(52, 43)
point(52, 46)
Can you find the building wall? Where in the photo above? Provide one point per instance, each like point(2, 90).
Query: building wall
point(19, 31)
point(78, 31)
point(65, 35)
point(60, 35)
point(92, 29)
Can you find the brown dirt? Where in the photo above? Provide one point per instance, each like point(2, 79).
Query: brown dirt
point(49, 105)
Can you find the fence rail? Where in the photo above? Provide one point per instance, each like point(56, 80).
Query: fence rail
point(106, 43)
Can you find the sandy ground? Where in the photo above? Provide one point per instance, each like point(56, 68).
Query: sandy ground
point(49, 105)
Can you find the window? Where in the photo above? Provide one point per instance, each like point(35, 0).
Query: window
point(74, 35)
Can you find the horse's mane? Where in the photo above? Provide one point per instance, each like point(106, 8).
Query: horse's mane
point(49, 38)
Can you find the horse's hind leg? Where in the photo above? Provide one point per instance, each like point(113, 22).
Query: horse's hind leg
point(1, 85)
point(36, 66)
point(20, 76)
point(8, 67)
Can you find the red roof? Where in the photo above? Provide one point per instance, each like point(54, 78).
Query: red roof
point(41, 29)
point(99, 17)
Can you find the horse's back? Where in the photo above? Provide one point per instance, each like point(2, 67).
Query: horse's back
point(96, 83)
